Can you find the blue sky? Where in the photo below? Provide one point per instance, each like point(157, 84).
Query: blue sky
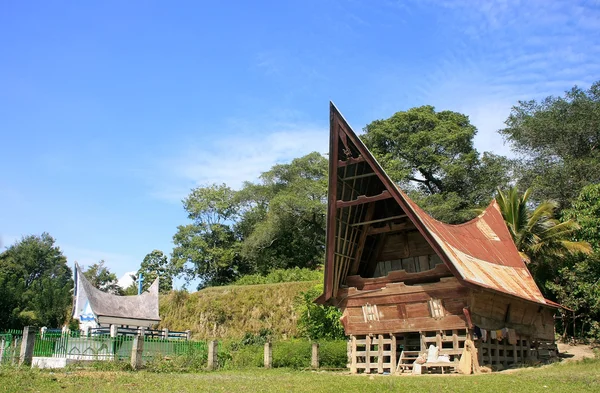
point(111, 112)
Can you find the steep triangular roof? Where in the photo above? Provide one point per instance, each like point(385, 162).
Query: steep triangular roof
point(480, 253)
point(139, 307)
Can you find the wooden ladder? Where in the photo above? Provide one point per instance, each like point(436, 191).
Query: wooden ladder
point(406, 361)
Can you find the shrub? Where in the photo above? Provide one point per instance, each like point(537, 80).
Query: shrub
point(333, 354)
point(281, 275)
point(317, 322)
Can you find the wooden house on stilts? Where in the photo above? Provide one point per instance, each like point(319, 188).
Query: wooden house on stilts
point(405, 281)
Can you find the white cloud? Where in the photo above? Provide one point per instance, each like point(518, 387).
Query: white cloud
point(125, 281)
point(237, 158)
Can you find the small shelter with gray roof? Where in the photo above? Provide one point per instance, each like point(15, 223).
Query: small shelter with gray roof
point(95, 308)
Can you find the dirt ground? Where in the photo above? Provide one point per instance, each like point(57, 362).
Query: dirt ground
point(575, 352)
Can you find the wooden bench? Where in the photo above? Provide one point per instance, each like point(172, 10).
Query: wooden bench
point(442, 365)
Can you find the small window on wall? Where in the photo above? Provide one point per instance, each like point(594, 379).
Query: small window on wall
point(370, 312)
point(436, 309)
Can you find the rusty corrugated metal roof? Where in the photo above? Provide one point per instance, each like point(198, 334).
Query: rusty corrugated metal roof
point(483, 252)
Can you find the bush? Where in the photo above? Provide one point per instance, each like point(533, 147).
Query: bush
point(293, 354)
point(281, 275)
point(333, 354)
point(317, 322)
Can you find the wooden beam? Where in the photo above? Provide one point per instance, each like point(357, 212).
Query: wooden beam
point(350, 161)
point(361, 242)
point(391, 228)
point(379, 220)
point(385, 194)
point(358, 176)
point(331, 198)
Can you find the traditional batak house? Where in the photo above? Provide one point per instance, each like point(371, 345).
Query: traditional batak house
point(406, 281)
point(95, 308)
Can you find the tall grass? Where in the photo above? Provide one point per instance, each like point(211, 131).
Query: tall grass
point(231, 311)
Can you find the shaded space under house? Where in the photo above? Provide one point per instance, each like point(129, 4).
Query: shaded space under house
point(95, 308)
point(405, 281)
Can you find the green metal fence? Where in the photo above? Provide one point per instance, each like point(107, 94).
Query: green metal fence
point(104, 347)
point(10, 346)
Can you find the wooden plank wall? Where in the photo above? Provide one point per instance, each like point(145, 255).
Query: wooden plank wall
point(405, 308)
point(494, 311)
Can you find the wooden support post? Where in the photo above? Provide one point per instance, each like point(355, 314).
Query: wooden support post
point(114, 330)
point(497, 352)
point(27, 345)
point(455, 340)
point(380, 354)
point(165, 333)
point(522, 355)
point(142, 331)
point(212, 355)
point(314, 362)
point(438, 340)
point(137, 350)
point(368, 354)
point(188, 335)
point(393, 360)
point(353, 369)
point(268, 358)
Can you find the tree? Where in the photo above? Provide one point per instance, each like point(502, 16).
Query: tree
point(207, 248)
point(35, 284)
point(431, 155)
point(541, 239)
point(283, 217)
point(278, 222)
point(559, 139)
point(155, 264)
point(102, 278)
point(577, 284)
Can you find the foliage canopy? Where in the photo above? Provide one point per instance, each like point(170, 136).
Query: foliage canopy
point(35, 284)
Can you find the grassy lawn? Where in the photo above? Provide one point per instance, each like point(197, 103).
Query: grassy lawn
point(570, 377)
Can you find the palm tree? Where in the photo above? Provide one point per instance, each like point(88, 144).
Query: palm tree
point(538, 235)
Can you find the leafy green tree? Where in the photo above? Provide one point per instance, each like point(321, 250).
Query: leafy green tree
point(155, 264)
point(208, 248)
point(283, 217)
point(541, 239)
point(431, 155)
point(559, 138)
point(35, 284)
point(577, 284)
point(277, 223)
point(103, 279)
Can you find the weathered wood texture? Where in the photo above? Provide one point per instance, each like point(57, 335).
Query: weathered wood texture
point(404, 308)
point(373, 354)
point(494, 311)
point(493, 352)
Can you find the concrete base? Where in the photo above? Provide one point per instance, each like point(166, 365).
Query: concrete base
point(52, 362)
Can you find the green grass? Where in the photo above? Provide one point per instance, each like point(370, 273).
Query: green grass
point(232, 311)
point(570, 377)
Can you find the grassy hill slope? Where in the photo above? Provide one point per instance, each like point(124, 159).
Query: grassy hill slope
point(231, 311)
